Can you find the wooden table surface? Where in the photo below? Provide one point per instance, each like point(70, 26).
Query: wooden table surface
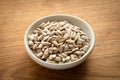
point(102, 15)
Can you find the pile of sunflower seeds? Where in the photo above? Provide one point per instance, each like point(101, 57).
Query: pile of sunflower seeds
point(58, 42)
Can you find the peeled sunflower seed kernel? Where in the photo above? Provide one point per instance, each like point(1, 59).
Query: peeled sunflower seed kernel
point(35, 36)
point(40, 37)
point(38, 50)
point(77, 36)
point(46, 53)
point(30, 43)
point(48, 40)
point(64, 54)
point(63, 59)
point(75, 56)
point(85, 37)
point(45, 43)
point(39, 54)
point(75, 49)
point(66, 48)
point(43, 57)
point(55, 43)
point(31, 37)
point(35, 46)
point(45, 38)
point(40, 46)
point(44, 48)
point(85, 48)
point(73, 35)
point(58, 59)
point(60, 55)
point(79, 52)
point(70, 41)
point(61, 48)
point(59, 32)
point(72, 57)
point(67, 58)
point(53, 48)
point(51, 57)
point(37, 32)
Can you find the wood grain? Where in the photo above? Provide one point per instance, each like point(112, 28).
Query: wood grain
point(102, 15)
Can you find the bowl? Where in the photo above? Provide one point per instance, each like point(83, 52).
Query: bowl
point(60, 17)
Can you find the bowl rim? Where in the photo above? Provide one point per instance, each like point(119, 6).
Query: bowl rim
point(31, 54)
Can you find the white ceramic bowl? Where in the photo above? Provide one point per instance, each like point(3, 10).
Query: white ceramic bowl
point(60, 17)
